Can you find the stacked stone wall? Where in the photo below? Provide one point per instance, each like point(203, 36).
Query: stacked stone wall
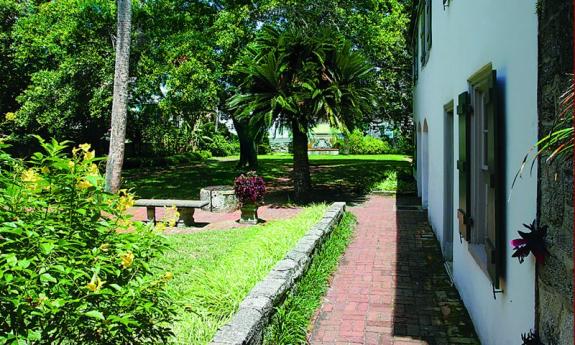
point(555, 278)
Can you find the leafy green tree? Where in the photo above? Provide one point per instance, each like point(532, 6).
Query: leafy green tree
point(66, 50)
point(58, 59)
point(296, 78)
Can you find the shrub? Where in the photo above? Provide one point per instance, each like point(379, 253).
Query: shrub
point(357, 143)
point(148, 162)
point(249, 188)
point(74, 269)
point(220, 146)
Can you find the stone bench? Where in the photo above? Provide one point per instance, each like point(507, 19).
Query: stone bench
point(185, 208)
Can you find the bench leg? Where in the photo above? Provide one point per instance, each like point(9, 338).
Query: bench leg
point(186, 217)
point(151, 212)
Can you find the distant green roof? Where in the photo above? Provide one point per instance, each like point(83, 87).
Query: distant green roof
point(324, 128)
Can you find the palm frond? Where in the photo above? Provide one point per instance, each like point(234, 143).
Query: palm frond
point(557, 145)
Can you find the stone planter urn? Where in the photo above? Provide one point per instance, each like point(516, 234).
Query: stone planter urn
point(249, 214)
point(249, 189)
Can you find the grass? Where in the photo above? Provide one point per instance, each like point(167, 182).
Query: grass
point(215, 270)
point(393, 183)
point(291, 322)
point(335, 178)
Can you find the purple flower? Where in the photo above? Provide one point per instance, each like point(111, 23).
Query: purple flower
point(531, 242)
point(249, 188)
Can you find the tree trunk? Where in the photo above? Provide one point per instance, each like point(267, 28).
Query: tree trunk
point(120, 100)
point(248, 150)
point(301, 175)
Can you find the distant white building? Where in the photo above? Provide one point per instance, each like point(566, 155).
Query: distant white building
point(475, 110)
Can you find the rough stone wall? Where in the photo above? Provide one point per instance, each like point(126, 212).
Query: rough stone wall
point(555, 278)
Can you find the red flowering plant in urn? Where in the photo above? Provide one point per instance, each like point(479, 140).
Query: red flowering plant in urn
point(250, 189)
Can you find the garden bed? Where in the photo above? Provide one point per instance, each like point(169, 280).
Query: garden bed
point(215, 270)
point(248, 324)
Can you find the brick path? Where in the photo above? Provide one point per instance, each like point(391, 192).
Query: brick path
point(390, 287)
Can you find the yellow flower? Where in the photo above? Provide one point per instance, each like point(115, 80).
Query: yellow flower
point(95, 284)
point(10, 116)
point(83, 184)
point(89, 155)
point(85, 147)
point(71, 164)
point(125, 202)
point(160, 227)
point(45, 170)
point(30, 176)
point(168, 276)
point(105, 247)
point(125, 222)
point(174, 215)
point(127, 259)
point(94, 171)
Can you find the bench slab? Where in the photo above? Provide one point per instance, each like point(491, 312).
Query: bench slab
point(185, 209)
point(170, 203)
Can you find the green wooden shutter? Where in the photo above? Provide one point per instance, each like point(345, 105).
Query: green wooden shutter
point(414, 160)
point(464, 112)
point(422, 37)
point(494, 242)
point(428, 31)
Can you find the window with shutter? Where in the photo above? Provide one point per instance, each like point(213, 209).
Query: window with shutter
point(428, 13)
point(424, 12)
point(495, 242)
point(415, 59)
point(423, 45)
point(486, 165)
point(463, 214)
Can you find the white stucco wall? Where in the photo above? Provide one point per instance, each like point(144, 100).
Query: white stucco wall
point(467, 35)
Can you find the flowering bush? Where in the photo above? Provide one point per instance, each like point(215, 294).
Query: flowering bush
point(70, 271)
point(249, 188)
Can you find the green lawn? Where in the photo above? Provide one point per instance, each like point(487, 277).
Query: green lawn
point(335, 178)
point(215, 270)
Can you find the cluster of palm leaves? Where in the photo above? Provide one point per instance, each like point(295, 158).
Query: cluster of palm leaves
point(295, 78)
point(557, 144)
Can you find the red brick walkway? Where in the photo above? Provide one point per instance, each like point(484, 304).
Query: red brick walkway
point(390, 287)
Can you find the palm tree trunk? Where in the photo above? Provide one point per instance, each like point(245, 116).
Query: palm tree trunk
point(248, 150)
point(120, 100)
point(301, 175)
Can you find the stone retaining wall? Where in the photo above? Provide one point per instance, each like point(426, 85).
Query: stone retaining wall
point(255, 311)
point(554, 312)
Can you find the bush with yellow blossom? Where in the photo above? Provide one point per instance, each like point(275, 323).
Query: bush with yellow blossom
point(73, 268)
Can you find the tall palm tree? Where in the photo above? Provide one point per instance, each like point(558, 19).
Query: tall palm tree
point(120, 97)
point(296, 78)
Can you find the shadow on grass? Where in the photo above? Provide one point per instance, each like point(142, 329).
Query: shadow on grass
point(345, 178)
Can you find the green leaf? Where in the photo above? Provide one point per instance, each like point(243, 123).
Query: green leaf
point(95, 314)
point(46, 247)
point(47, 278)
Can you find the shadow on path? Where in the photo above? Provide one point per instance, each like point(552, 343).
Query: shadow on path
point(390, 286)
point(427, 307)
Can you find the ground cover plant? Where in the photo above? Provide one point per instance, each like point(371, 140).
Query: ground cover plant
point(70, 272)
point(290, 324)
point(215, 270)
point(396, 181)
point(336, 178)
